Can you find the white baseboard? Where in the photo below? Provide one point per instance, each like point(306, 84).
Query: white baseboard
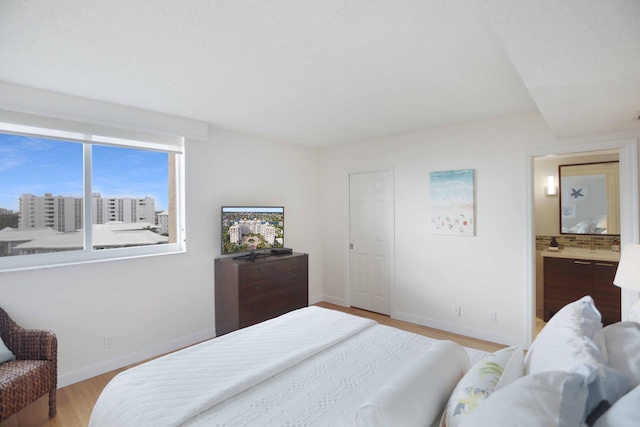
point(315, 300)
point(73, 377)
point(460, 330)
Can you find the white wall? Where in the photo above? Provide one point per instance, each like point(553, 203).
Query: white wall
point(246, 170)
point(489, 272)
point(482, 273)
point(156, 304)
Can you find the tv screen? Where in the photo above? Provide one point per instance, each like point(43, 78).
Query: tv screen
point(252, 228)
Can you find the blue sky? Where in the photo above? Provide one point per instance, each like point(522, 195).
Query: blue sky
point(38, 166)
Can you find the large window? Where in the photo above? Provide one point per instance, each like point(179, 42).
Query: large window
point(75, 196)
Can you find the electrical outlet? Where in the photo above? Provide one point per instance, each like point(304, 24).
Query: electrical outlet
point(108, 342)
point(456, 310)
point(493, 317)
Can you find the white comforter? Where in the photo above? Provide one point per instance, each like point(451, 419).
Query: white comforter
point(255, 376)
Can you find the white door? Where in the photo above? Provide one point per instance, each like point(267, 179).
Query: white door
point(371, 240)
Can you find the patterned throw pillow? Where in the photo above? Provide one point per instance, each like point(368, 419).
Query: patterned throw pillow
point(491, 373)
point(552, 398)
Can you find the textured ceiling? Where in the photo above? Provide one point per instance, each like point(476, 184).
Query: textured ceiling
point(580, 61)
point(331, 72)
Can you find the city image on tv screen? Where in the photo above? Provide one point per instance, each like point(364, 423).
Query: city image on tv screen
point(252, 228)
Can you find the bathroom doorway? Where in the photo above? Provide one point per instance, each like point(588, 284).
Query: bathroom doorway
point(627, 150)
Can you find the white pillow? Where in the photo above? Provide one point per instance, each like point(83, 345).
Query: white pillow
point(571, 337)
point(495, 371)
point(417, 394)
point(586, 226)
point(552, 398)
point(5, 353)
point(625, 412)
point(623, 347)
point(605, 384)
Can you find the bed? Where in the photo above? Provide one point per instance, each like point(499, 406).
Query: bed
point(320, 367)
point(312, 366)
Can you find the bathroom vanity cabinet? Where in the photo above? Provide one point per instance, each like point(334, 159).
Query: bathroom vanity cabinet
point(571, 275)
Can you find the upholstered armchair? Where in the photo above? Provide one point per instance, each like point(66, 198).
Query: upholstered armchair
point(33, 373)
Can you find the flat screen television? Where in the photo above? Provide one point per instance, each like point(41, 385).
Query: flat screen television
point(252, 230)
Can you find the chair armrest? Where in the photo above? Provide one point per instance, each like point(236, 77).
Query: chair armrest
point(32, 344)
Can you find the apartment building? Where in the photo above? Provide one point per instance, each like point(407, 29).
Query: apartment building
point(64, 213)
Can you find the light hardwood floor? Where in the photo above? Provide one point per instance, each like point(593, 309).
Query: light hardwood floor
point(75, 402)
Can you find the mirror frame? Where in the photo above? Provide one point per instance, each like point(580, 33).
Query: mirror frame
point(613, 196)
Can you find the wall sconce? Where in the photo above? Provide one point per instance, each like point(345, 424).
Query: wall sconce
point(551, 189)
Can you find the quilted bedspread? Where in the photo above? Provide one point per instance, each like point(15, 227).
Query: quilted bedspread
point(312, 366)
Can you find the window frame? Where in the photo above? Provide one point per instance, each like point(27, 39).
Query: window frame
point(108, 136)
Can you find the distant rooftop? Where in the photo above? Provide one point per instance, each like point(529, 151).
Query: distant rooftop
point(9, 234)
point(110, 235)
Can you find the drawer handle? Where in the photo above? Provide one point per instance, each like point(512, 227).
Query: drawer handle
point(258, 286)
point(255, 305)
point(604, 264)
point(258, 270)
point(293, 264)
point(294, 295)
point(582, 262)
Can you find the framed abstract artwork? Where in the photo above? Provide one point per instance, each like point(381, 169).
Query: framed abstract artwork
point(452, 202)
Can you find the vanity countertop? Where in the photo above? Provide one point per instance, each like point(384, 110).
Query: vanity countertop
point(583, 253)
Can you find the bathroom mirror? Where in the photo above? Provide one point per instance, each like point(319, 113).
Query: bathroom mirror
point(589, 198)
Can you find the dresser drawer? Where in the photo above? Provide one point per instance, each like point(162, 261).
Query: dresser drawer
point(256, 271)
point(252, 291)
point(257, 309)
point(261, 308)
point(292, 264)
point(264, 307)
point(252, 288)
point(290, 280)
point(294, 298)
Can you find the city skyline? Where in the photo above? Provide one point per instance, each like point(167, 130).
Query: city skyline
point(32, 165)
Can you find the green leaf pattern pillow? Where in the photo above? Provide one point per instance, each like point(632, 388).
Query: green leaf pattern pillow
point(478, 384)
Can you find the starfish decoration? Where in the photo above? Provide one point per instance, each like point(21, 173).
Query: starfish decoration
point(576, 193)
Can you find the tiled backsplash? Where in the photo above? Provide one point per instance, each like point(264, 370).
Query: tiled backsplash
point(576, 241)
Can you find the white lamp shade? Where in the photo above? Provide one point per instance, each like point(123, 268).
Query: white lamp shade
point(628, 274)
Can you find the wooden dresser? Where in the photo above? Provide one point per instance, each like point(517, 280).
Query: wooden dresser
point(249, 292)
point(572, 275)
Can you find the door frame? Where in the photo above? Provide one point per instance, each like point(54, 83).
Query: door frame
point(629, 221)
point(347, 233)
